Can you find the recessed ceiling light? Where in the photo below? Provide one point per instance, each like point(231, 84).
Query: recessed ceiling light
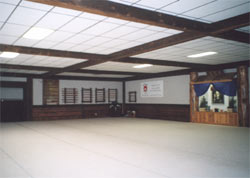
point(36, 33)
point(202, 54)
point(142, 66)
point(9, 54)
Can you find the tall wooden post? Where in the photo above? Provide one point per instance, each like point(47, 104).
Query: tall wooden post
point(194, 100)
point(123, 97)
point(243, 96)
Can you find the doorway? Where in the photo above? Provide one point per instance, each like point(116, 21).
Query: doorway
point(12, 105)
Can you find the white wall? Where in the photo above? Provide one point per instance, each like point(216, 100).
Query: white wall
point(37, 91)
point(176, 90)
point(90, 84)
point(13, 79)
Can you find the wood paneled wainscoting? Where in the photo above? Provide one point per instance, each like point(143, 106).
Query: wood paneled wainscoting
point(55, 112)
point(219, 118)
point(161, 111)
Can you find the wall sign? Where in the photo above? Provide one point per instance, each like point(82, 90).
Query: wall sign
point(152, 89)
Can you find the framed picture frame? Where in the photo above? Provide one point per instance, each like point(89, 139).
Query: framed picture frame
point(217, 97)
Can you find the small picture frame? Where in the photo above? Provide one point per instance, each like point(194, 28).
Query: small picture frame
point(217, 97)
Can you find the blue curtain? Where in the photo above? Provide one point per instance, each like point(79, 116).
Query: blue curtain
point(226, 88)
point(201, 89)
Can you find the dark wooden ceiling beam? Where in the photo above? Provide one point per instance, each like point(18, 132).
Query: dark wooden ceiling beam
point(11, 74)
point(39, 68)
point(230, 24)
point(161, 62)
point(130, 13)
point(234, 36)
point(187, 71)
point(50, 52)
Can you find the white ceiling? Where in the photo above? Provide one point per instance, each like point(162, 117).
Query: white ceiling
point(228, 51)
point(84, 32)
point(244, 29)
point(202, 10)
point(128, 67)
point(73, 30)
point(45, 61)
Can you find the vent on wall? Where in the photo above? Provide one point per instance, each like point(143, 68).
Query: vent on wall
point(112, 95)
point(69, 95)
point(132, 96)
point(100, 95)
point(86, 95)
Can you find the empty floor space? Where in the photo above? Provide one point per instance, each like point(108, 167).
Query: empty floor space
point(122, 148)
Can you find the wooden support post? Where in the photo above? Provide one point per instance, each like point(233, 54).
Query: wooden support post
point(194, 100)
point(243, 96)
point(29, 98)
point(123, 97)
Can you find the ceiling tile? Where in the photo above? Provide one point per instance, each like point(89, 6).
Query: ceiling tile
point(14, 2)
point(66, 11)
point(63, 46)
point(121, 31)
point(155, 28)
point(100, 28)
point(114, 43)
point(13, 30)
point(5, 39)
point(31, 16)
point(96, 50)
point(97, 41)
point(244, 29)
point(116, 21)
point(213, 7)
point(228, 13)
point(25, 42)
point(154, 36)
point(137, 25)
point(53, 21)
point(6, 10)
point(155, 4)
point(45, 44)
point(59, 36)
point(129, 44)
point(78, 24)
point(80, 38)
point(138, 34)
point(35, 5)
point(182, 6)
point(80, 48)
point(109, 50)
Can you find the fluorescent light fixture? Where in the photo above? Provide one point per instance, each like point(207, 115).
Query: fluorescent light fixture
point(36, 33)
point(142, 66)
point(202, 54)
point(9, 55)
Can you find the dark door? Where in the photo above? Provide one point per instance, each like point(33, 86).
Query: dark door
point(12, 104)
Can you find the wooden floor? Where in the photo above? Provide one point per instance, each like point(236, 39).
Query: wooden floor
point(122, 148)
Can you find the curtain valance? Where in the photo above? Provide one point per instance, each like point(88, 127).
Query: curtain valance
point(225, 88)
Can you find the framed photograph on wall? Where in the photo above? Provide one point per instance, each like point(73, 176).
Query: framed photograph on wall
point(217, 97)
